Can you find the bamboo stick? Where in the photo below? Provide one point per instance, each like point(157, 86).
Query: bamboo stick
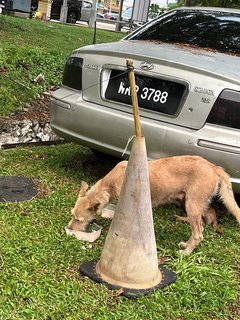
point(134, 98)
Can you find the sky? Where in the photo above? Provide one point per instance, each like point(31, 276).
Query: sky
point(161, 3)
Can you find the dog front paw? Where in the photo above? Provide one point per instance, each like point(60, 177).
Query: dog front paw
point(185, 252)
point(106, 213)
point(180, 218)
point(176, 217)
point(183, 245)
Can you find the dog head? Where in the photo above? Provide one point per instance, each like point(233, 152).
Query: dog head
point(85, 210)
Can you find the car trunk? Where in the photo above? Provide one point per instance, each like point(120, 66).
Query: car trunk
point(101, 86)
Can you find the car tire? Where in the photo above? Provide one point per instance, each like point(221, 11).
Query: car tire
point(237, 198)
point(103, 156)
point(72, 17)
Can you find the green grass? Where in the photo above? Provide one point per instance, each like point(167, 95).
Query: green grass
point(39, 263)
point(39, 277)
point(30, 47)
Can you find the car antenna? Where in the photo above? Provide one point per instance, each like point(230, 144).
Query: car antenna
point(94, 32)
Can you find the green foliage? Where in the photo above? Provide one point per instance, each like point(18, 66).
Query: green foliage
point(39, 263)
point(154, 8)
point(210, 3)
point(32, 47)
point(2, 20)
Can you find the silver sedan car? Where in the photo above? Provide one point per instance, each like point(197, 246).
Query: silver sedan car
point(187, 71)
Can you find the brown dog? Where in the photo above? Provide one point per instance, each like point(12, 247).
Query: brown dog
point(191, 179)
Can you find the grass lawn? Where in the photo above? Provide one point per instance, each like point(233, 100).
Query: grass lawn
point(39, 263)
point(32, 47)
point(39, 277)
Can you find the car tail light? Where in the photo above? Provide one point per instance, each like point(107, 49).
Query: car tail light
point(72, 75)
point(226, 110)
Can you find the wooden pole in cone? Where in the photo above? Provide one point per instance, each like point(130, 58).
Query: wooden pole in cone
point(129, 256)
point(134, 98)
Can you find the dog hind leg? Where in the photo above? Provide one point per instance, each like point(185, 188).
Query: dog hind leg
point(181, 219)
point(194, 211)
point(210, 218)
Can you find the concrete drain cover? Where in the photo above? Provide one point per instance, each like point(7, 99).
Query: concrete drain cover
point(15, 189)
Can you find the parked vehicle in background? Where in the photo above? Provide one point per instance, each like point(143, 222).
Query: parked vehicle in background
point(127, 19)
point(186, 63)
point(111, 16)
point(74, 10)
point(100, 15)
point(86, 10)
point(127, 14)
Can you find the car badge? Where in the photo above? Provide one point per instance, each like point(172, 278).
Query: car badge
point(146, 66)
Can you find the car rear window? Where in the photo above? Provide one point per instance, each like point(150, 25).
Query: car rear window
point(215, 30)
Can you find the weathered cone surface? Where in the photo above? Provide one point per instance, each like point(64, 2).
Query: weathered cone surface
point(129, 257)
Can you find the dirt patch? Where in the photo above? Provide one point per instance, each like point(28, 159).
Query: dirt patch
point(31, 125)
point(36, 110)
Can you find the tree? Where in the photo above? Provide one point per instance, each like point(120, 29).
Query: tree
point(154, 8)
point(210, 3)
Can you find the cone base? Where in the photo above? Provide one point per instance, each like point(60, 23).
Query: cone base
point(89, 269)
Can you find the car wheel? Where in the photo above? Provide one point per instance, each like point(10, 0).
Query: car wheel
point(72, 17)
point(103, 156)
point(237, 198)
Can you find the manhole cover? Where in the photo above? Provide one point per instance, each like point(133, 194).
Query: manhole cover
point(14, 189)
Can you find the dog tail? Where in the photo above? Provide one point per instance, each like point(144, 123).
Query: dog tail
point(226, 193)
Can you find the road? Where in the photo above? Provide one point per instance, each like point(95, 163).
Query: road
point(110, 26)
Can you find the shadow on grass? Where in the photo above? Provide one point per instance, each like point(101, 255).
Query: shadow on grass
point(81, 162)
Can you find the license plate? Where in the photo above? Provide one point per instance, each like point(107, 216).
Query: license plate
point(153, 94)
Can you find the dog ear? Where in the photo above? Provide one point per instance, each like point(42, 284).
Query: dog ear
point(83, 190)
point(94, 207)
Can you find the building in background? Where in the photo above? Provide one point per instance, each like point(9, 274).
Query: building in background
point(113, 5)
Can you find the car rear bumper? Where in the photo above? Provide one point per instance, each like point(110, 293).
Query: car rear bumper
point(110, 131)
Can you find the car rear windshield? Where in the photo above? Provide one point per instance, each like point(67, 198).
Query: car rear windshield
point(215, 30)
